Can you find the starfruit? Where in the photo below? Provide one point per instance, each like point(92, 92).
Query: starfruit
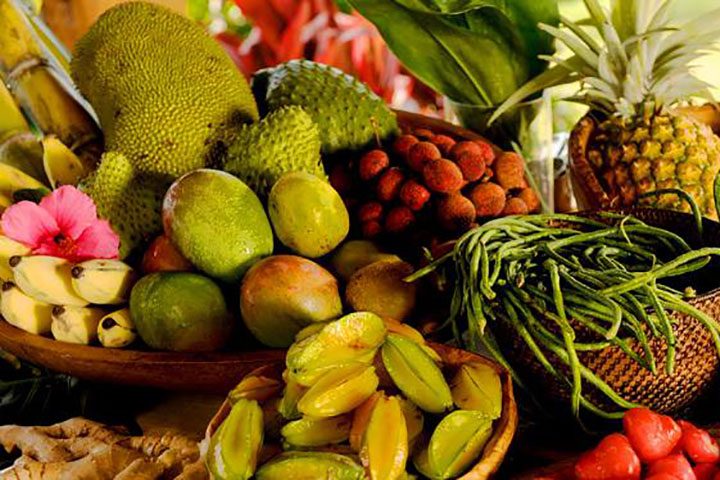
point(310, 330)
point(353, 338)
point(361, 418)
point(414, 420)
point(316, 432)
point(384, 450)
point(457, 442)
point(291, 395)
point(310, 466)
point(234, 447)
point(405, 330)
point(255, 387)
point(477, 386)
point(339, 391)
point(416, 375)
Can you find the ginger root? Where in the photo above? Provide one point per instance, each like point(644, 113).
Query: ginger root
point(79, 449)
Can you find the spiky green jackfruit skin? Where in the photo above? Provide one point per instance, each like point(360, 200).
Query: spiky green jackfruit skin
point(285, 141)
point(166, 94)
point(348, 114)
point(130, 201)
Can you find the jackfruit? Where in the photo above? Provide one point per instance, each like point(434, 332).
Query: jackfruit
point(285, 141)
point(348, 114)
point(131, 202)
point(166, 94)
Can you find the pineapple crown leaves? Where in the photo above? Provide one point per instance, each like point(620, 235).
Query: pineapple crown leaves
point(635, 58)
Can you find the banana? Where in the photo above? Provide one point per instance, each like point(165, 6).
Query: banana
point(116, 329)
point(316, 432)
point(416, 375)
point(75, 324)
point(13, 179)
point(8, 249)
point(352, 338)
point(46, 279)
point(339, 391)
point(384, 450)
point(103, 282)
point(234, 447)
point(23, 311)
point(255, 387)
point(310, 466)
point(291, 395)
point(61, 165)
point(457, 442)
point(476, 386)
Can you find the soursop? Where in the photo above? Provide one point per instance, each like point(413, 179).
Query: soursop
point(287, 140)
point(348, 114)
point(166, 94)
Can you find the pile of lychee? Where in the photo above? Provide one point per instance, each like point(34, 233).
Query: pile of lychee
point(425, 177)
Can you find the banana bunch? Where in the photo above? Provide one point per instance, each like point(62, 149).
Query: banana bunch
point(356, 401)
point(76, 303)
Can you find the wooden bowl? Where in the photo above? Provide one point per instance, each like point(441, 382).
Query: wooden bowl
point(504, 427)
point(697, 361)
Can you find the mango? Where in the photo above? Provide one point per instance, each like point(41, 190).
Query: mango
point(308, 215)
point(339, 391)
point(356, 254)
point(234, 447)
point(184, 312)
point(217, 222)
point(162, 256)
point(379, 288)
point(310, 466)
point(282, 294)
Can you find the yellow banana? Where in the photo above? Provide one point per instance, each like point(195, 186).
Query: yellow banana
point(61, 165)
point(103, 282)
point(46, 279)
point(8, 249)
point(13, 179)
point(384, 450)
point(24, 152)
point(339, 391)
point(416, 375)
point(234, 448)
point(116, 329)
point(310, 466)
point(76, 324)
point(316, 432)
point(24, 311)
point(477, 386)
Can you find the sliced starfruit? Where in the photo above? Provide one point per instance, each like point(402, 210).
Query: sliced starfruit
point(234, 448)
point(316, 432)
point(361, 418)
point(353, 338)
point(339, 391)
point(477, 386)
point(255, 387)
point(416, 375)
point(289, 401)
point(311, 466)
point(384, 450)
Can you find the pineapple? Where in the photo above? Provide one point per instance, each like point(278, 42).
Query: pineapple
point(634, 69)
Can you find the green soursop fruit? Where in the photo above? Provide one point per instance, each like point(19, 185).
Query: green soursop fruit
point(167, 95)
point(130, 201)
point(285, 141)
point(348, 114)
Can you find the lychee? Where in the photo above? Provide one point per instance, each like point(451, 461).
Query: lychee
point(371, 211)
point(489, 199)
point(455, 213)
point(389, 184)
point(402, 144)
point(414, 195)
point(464, 147)
point(472, 166)
point(422, 153)
point(399, 219)
point(510, 171)
point(371, 229)
point(444, 143)
point(531, 199)
point(443, 176)
point(372, 164)
point(515, 206)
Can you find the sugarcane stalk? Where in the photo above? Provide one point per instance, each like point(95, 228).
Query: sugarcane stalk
point(48, 101)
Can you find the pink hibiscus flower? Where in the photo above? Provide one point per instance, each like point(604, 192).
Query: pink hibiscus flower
point(64, 224)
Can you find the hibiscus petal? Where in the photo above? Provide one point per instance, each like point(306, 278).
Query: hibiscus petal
point(97, 241)
point(29, 224)
point(73, 210)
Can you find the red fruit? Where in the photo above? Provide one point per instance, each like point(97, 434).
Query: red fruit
point(465, 147)
point(341, 179)
point(489, 199)
point(443, 176)
point(697, 444)
point(444, 143)
point(403, 143)
point(371, 211)
point(515, 206)
point(705, 471)
point(488, 153)
point(389, 184)
point(422, 153)
point(675, 465)
point(372, 164)
point(472, 166)
point(371, 229)
point(414, 195)
point(510, 171)
point(612, 459)
point(661, 476)
point(162, 256)
point(455, 213)
point(399, 219)
point(531, 199)
point(653, 436)
point(424, 133)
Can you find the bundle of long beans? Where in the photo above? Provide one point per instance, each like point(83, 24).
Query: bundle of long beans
point(553, 278)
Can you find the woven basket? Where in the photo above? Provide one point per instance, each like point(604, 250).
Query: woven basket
point(697, 360)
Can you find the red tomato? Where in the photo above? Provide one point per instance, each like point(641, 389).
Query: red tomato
point(697, 444)
point(612, 459)
point(675, 465)
point(651, 435)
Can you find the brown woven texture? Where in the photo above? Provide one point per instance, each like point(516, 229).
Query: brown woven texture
point(696, 363)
